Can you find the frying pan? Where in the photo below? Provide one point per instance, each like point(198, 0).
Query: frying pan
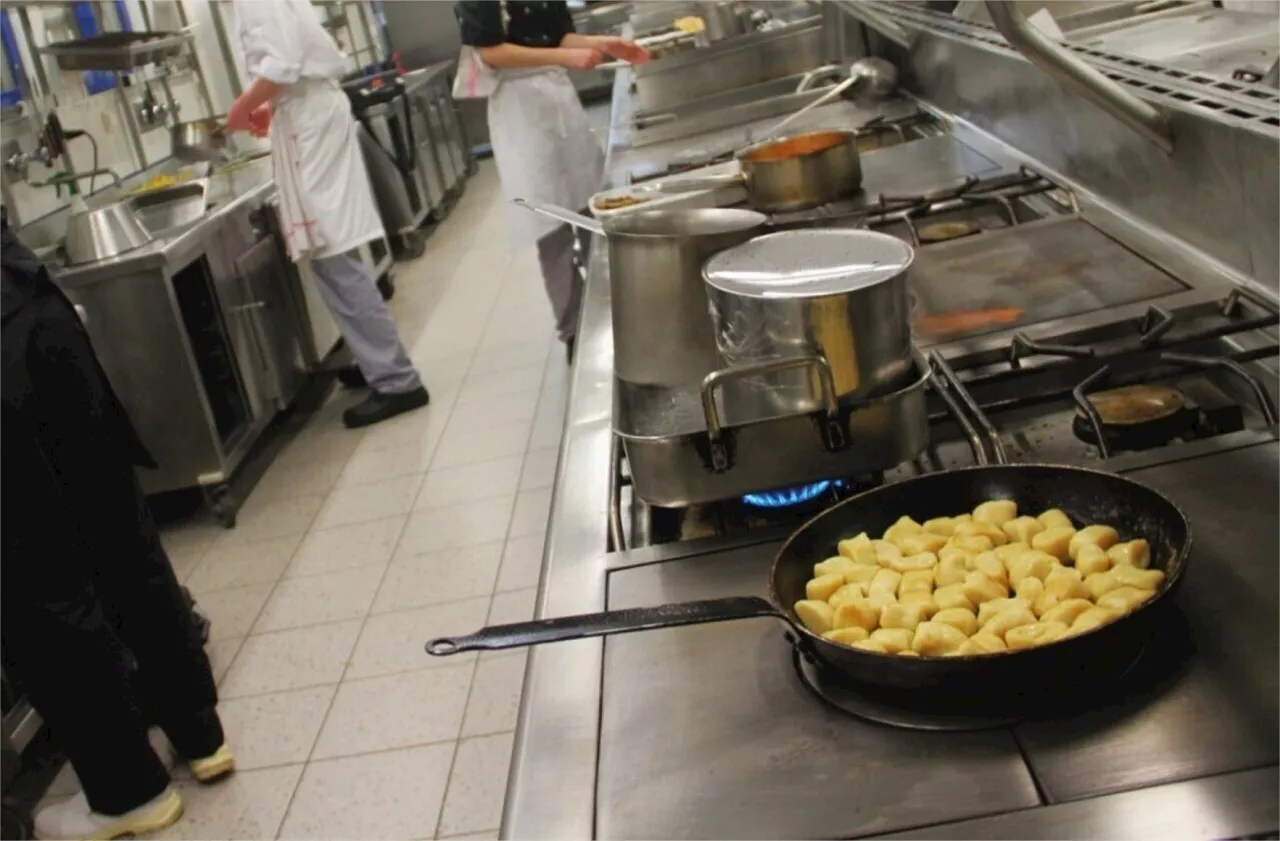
point(1087, 496)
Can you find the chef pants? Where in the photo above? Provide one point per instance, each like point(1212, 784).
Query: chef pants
point(351, 294)
point(560, 276)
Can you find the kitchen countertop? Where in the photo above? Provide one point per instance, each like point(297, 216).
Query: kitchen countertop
point(226, 191)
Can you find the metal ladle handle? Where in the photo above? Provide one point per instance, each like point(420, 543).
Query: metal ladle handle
point(817, 103)
point(715, 431)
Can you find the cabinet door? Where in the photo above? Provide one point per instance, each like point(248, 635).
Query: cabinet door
point(237, 303)
point(273, 320)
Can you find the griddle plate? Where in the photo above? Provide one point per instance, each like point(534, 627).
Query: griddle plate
point(707, 733)
point(1051, 269)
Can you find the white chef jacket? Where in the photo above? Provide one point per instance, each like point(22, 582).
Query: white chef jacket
point(326, 203)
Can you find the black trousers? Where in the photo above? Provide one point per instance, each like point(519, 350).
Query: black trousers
point(104, 644)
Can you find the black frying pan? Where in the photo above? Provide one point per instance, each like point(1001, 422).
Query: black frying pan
point(1087, 496)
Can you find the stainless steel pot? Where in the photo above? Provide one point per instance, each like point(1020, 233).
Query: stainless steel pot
point(832, 293)
point(662, 336)
point(98, 233)
point(200, 140)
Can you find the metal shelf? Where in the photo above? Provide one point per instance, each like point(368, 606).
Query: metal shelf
point(117, 50)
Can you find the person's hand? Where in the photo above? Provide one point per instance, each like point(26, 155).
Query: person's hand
point(621, 49)
point(239, 118)
point(580, 58)
point(260, 121)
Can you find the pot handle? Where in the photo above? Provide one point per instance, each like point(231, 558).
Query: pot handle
point(833, 433)
point(584, 625)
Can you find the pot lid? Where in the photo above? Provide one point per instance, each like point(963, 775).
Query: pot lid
point(808, 263)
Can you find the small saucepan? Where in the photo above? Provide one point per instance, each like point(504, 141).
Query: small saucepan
point(790, 173)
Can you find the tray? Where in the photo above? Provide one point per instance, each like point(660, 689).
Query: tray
point(675, 462)
point(116, 50)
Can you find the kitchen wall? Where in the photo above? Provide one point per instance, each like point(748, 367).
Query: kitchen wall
point(102, 115)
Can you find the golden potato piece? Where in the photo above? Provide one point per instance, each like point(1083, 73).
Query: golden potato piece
point(1143, 579)
point(924, 601)
point(984, 529)
point(1104, 537)
point(916, 580)
point(894, 640)
point(907, 653)
point(990, 565)
point(1022, 529)
point(860, 574)
point(905, 527)
point(1055, 518)
point(846, 636)
point(921, 543)
point(1092, 558)
point(882, 599)
point(846, 594)
point(816, 616)
point(849, 546)
point(885, 552)
point(1125, 599)
point(901, 615)
point(960, 618)
point(1030, 636)
point(971, 543)
point(1030, 589)
point(1063, 584)
point(1011, 550)
point(988, 610)
point(997, 512)
point(1067, 611)
point(821, 588)
point(1101, 583)
point(1135, 553)
point(869, 645)
point(858, 613)
point(1091, 619)
point(1054, 541)
point(950, 571)
point(1008, 619)
point(952, 595)
point(978, 588)
point(981, 644)
point(925, 560)
point(940, 525)
point(951, 554)
point(935, 639)
point(886, 581)
point(1035, 563)
point(834, 565)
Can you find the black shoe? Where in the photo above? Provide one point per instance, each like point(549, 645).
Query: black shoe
point(378, 407)
point(568, 349)
point(352, 377)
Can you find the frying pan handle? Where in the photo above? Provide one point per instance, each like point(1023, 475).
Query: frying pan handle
point(696, 184)
point(584, 625)
point(833, 432)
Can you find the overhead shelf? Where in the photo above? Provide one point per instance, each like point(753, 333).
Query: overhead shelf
point(117, 50)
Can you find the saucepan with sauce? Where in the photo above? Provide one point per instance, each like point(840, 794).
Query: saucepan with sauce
point(789, 173)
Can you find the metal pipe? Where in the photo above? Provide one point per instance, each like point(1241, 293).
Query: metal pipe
point(1050, 57)
point(224, 45)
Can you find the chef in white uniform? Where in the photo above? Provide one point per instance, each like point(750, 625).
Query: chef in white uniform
point(326, 208)
point(541, 137)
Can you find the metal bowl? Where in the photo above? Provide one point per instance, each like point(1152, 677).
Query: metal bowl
point(200, 140)
point(102, 232)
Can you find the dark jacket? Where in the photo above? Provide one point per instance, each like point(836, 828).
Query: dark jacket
point(64, 429)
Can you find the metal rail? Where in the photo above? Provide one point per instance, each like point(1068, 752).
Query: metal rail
point(1059, 63)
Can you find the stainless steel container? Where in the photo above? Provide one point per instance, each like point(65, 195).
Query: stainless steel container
point(98, 233)
point(837, 294)
point(205, 139)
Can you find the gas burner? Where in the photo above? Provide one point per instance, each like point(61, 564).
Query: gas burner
point(921, 710)
point(788, 497)
point(1137, 417)
point(944, 231)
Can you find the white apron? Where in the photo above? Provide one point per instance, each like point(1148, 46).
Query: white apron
point(543, 146)
point(326, 201)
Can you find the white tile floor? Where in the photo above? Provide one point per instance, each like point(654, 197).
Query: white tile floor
point(358, 546)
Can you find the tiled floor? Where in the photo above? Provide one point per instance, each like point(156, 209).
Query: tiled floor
point(357, 547)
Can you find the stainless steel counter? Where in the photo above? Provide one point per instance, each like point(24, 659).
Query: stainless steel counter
point(705, 732)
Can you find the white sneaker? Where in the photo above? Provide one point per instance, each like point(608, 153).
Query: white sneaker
point(74, 820)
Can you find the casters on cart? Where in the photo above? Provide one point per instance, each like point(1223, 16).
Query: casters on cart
point(218, 498)
point(387, 287)
point(412, 245)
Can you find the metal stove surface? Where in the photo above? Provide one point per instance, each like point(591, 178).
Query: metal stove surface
point(707, 732)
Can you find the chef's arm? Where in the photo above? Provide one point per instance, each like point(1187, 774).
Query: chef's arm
point(260, 92)
point(510, 56)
